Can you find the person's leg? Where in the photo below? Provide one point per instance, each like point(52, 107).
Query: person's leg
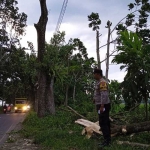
point(109, 129)
point(105, 126)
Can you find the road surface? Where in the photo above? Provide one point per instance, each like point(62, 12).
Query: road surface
point(8, 122)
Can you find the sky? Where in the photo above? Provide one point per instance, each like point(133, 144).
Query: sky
point(75, 24)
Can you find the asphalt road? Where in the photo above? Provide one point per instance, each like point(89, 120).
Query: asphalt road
point(8, 122)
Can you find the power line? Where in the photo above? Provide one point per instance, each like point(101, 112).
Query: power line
point(62, 12)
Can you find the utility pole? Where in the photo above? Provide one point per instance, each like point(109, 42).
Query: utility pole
point(97, 49)
point(108, 45)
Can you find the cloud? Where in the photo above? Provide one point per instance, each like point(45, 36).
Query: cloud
point(31, 35)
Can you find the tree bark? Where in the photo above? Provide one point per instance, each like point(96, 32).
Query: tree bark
point(74, 92)
point(66, 96)
point(108, 45)
point(131, 128)
point(45, 91)
point(50, 105)
point(146, 107)
point(97, 49)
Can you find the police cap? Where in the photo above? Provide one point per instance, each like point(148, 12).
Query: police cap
point(99, 71)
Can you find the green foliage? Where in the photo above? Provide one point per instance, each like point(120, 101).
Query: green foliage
point(115, 92)
point(133, 55)
point(94, 21)
point(20, 74)
point(10, 55)
point(137, 115)
point(137, 18)
point(71, 67)
point(10, 16)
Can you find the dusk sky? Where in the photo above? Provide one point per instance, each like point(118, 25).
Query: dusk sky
point(75, 24)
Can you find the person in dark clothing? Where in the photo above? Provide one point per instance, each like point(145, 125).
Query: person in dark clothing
point(102, 102)
point(4, 108)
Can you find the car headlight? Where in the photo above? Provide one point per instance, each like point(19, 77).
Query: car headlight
point(28, 106)
point(24, 107)
point(15, 108)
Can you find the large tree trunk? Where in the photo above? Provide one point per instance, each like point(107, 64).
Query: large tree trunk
point(36, 86)
point(32, 95)
point(146, 107)
point(131, 128)
point(74, 92)
point(66, 96)
point(50, 105)
point(36, 103)
point(44, 91)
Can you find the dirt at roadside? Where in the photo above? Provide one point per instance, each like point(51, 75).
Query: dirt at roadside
point(16, 142)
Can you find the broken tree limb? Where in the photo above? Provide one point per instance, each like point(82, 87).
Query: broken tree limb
point(91, 127)
point(132, 128)
point(76, 112)
point(132, 144)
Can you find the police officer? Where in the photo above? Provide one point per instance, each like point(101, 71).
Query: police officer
point(102, 102)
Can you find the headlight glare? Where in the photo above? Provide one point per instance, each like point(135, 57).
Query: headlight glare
point(24, 107)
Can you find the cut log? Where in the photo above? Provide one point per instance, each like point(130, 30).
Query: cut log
point(133, 144)
point(132, 128)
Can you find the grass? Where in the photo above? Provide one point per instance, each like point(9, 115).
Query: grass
point(59, 132)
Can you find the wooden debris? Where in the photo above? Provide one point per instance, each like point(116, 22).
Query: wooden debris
point(75, 112)
point(133, 144)
point(90, 127)
point(131, 128)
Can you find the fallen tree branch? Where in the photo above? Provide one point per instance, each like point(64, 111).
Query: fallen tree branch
point(132, 144)
point(91, 127)
point(76, 112)
point(132, 128)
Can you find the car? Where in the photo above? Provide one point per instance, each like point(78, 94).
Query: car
point(21, 105)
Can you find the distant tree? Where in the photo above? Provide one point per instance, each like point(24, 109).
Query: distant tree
point(137, 19)
point(12, 25)
point(94, 24)
point(68, 62)
point(134, 55)
point(55, 60)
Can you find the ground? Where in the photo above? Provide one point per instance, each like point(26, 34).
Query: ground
point(16, 142)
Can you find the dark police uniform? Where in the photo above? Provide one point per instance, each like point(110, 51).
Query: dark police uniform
point(101, 96)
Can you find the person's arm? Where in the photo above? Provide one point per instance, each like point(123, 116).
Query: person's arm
point(103, 97)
